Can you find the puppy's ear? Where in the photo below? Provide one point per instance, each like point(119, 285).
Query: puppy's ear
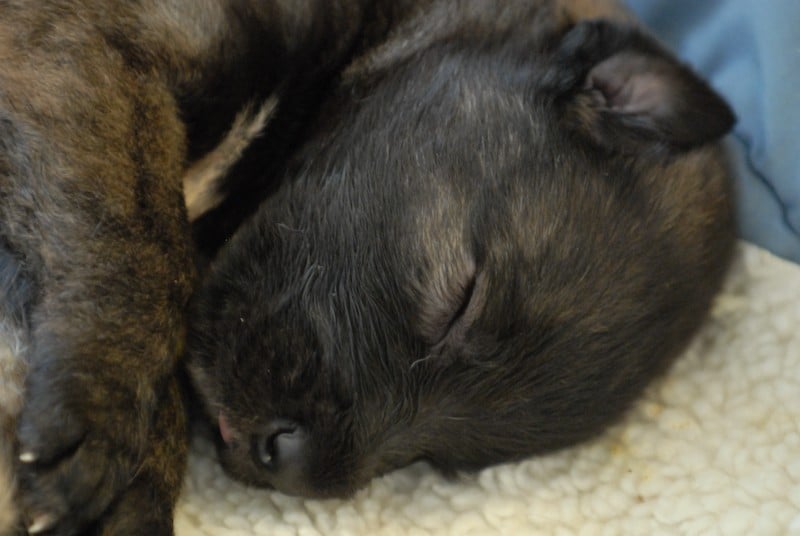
point(625, 92)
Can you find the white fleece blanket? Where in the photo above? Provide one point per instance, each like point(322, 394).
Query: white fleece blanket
point(712, 448)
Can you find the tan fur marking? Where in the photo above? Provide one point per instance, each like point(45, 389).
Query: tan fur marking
point(200, 181)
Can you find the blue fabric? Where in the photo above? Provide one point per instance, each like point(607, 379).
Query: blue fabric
point(749, 50)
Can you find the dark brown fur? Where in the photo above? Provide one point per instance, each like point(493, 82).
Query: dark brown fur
point(503, 224)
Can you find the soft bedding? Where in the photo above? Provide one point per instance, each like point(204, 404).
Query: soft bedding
point(713, 448)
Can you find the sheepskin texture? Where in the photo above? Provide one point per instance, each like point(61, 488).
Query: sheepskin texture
point(713, 448)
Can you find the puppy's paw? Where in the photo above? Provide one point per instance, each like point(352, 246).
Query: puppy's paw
point(146, 506)
point(81, 441)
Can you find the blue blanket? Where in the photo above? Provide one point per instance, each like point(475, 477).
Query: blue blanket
point(750, 52)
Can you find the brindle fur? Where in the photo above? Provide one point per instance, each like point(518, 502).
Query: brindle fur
point(484, 251)
point(103, 104)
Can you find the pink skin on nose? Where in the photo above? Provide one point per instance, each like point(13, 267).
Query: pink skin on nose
point(225, 430)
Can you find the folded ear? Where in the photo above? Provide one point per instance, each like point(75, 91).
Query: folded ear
point(623, 90)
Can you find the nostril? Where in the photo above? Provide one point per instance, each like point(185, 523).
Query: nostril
point(266, 450)
point(280, 444)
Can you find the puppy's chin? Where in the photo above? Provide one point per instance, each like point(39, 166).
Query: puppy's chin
point(238, 463)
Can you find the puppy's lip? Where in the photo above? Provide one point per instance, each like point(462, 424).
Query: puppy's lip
point(225, 430)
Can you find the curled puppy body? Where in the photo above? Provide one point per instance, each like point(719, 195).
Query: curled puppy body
point(102, 106)
point(502, 228)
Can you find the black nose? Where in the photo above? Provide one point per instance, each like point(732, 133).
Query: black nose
point(282, 450)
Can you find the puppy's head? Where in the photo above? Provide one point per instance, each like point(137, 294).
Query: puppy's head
point(495, 269)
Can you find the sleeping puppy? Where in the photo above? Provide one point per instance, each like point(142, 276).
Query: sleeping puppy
point(103, 104)
point(504, 223)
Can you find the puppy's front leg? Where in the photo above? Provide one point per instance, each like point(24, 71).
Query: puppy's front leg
point(112, 274)
point(91, 154)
